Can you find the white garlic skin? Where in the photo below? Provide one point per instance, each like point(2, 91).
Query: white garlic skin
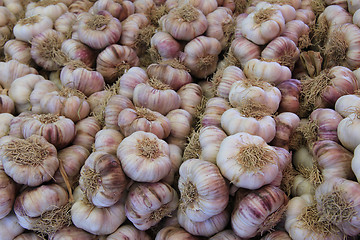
point(26, 31)
point(10, 227)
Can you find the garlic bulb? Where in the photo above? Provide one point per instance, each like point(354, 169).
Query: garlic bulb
point(107, 140)
point(204, 192)
point(341, 47)
point(57, 130)
point(27, 28)
point(290, 95)
point(10, 227)
point(220, 24)
point(258, 211)
point(67, 102)
point(279, 235)
point(176, 158)
point(135, 32)
point(347, 104)
point(7, 105)
point(102, 179)
point(46, 50)
point(255, 91)
point(247, 161)
point(99, 30)
point(210, 138)
point(271, 72)
point(128, 232)
point(21, 89)
point(333, 159)
point(129, 80)
point(184, 22)
point(173, 233)
point(286, 124)
point(144, 157)
point(44, 209)
point(164, 46)
point(115, 60)
point(224, 80)
point(7, 193)
point(79, 6)
point(282, 50)
point(206, 228)
point(72, 233)
point(34, 157)
point(86, 216)
point(18, 50)
point(5, 119)
point(143, 119)
point(50, 9)
point(304, 221)
point(191, 98)
point(346, 131)
point(302, 185)
point(171, 72)
point(201, 56)
point(156, 96)
point(180, 121)
point(12, 70)
point(82, 79)
point(263, 24)
point(76, 50)
point(256, 123)
point(71, 160)
point(214, 109)
point(15, 127)
point(147, 203)
point(305, 15)
point(114, 106)
point(118, 9)
point(340, 195)
point(65, 24)
point(86, 130)
point(298, 32)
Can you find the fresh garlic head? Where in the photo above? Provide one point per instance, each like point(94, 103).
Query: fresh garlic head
point(27, 28)
point(247, 161)
point(35, 158)
point(144, 157)
point(148, 203)
point(128, 232)
point(204, 192)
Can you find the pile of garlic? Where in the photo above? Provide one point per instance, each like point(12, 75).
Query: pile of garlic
point(179, 119)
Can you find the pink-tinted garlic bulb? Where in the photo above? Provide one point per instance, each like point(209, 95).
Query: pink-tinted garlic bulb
point(220, 25)
point(12, 70)
point(172, 233)
point(244, 50)
point(201, 56)
point(80, 6)
point(18, 50)
point(305, 15)
point(191, 98)
point(214, 109)
point(99, 30)
point(65, 24)
point(86, 130)
point(142, 119)
point(286, 124)
point(26, 28)
point(72, 233)
point(7, 192)
point(184, 22)
point(156, 96)
point(118, 9)
point(171, 72)
point(128, 232)
point(165, 45)
point(129, 80)
point(52, 10)
point(210, 138)
point(58, 130)
point(41, 88)
point(298, 32)
point(161, 199)
point(290, 94)
point(76, 50)
point(115, 60)
point(258, 211)
point(67, 102)
point(206, 7)
point(82, 78)
point(7, 105)
point(114, 106)
point(225, 80)
point(107, 140)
